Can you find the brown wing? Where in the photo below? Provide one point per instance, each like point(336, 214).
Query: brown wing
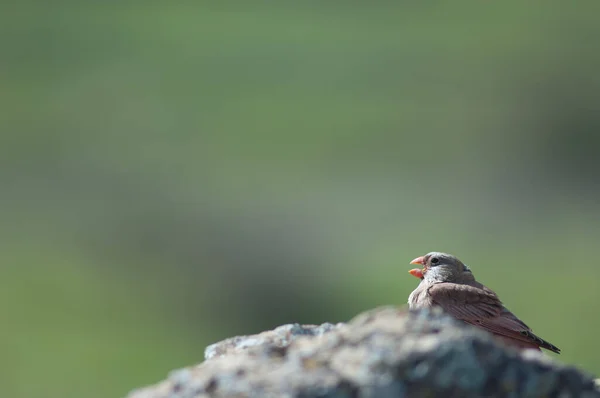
point(481, 307)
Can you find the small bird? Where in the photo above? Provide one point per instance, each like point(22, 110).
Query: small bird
point(448, 283)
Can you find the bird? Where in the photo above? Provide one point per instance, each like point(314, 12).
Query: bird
point(448, 283)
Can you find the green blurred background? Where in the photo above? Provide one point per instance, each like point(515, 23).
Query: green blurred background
point(175, 173)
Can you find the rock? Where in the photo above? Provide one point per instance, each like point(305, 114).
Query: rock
point(278, 337)
point(387, 352)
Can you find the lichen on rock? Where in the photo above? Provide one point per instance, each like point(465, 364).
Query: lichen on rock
point(386, 352)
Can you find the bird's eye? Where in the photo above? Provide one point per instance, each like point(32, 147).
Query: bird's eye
point(435, 260)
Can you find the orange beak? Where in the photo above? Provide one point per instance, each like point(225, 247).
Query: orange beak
point(418, 273)
point(419, 260)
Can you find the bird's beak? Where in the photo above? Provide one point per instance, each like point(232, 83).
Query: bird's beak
point(418, 273)
point(419, 260)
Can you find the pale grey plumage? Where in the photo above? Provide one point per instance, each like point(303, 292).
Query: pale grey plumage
point(450, 284)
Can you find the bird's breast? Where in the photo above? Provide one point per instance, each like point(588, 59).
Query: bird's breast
point(413, 299)
point(419, 298)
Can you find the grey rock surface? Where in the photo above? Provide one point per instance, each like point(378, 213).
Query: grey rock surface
point(387, 352)
point(278, 337)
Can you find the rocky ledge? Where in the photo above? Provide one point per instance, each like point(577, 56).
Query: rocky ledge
point(386, 352)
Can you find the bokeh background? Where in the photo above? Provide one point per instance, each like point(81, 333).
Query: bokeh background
point(175, 173)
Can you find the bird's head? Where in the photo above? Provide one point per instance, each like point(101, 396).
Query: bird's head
point(440, 267)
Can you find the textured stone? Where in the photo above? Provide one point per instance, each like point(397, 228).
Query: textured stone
point(278, 337)
point(387, 352)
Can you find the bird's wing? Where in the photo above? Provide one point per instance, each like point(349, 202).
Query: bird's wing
point(466, 302)
point(481, 307)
